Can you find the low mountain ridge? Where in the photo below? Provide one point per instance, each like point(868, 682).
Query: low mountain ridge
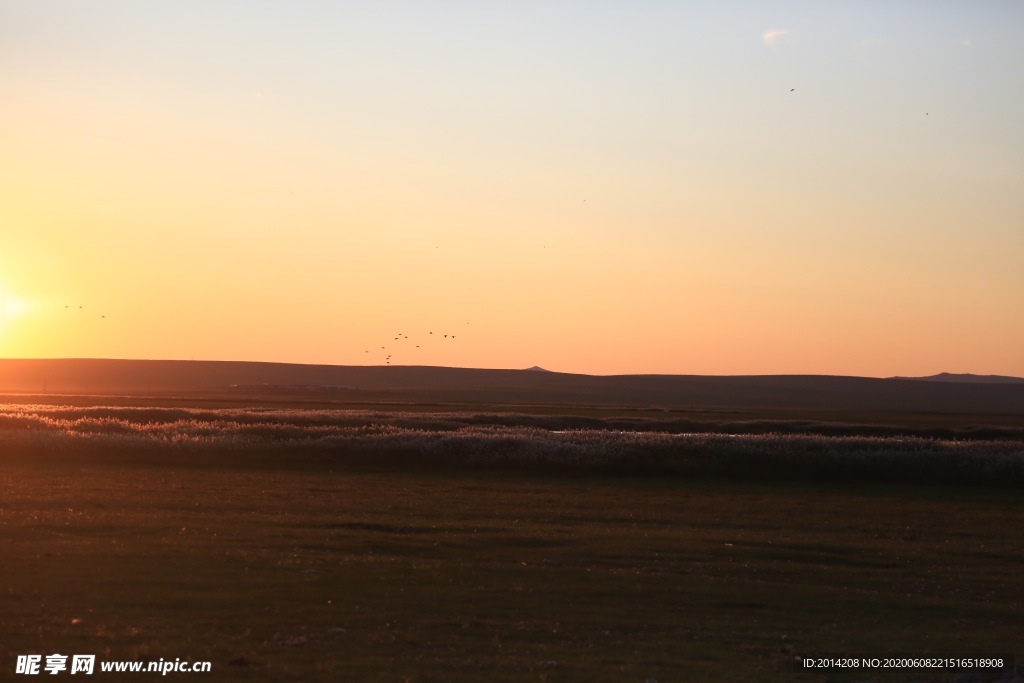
point(967, 378)
point(764, 395)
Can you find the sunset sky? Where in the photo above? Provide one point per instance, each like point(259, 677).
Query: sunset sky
point(597, 187)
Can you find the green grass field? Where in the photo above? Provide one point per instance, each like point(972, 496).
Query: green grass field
point(298, 575)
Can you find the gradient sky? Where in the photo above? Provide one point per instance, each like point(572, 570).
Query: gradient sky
point(598, 187)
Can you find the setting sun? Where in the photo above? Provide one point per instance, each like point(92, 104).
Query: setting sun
point(13, 307)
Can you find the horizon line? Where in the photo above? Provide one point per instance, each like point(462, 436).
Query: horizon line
point(452, 367)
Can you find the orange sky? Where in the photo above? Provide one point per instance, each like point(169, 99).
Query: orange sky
point(599, 188)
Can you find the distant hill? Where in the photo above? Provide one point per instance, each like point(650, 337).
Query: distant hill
point(537, 368)
point(967, 378)
point(757, 394)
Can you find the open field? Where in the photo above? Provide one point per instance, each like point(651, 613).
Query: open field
point(291, 575)
point(287, 544)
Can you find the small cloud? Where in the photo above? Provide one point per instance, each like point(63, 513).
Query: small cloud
point(865, 48)
point(865, 44)
point(772, 36)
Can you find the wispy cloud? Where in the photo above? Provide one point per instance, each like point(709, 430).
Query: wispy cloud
point(867, 44)
point(772, 36)
point(866, 48)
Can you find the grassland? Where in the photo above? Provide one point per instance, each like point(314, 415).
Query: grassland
point(569, 445)
point(296, 545)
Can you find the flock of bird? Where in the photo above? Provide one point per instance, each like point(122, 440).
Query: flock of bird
point(68, 308)
point(401, 339)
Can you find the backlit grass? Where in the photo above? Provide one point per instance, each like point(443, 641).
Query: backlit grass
point(510, 442)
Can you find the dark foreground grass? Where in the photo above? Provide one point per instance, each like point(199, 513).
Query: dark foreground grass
point(303, 575)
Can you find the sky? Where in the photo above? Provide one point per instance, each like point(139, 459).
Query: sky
point(588, 186)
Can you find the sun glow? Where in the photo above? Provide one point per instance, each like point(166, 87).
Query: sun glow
point(13, 307)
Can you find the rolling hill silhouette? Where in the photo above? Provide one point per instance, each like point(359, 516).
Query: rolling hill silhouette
point(967, 378)
point(420, 384)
